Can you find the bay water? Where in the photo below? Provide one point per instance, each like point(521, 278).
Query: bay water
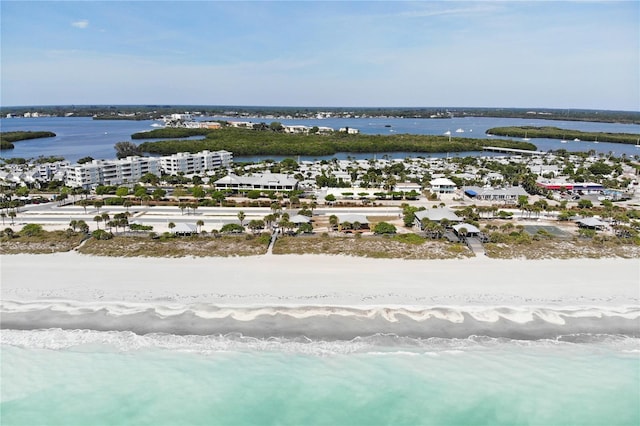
point(77, 137)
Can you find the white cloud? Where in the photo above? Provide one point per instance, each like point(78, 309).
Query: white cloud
point(82, 24)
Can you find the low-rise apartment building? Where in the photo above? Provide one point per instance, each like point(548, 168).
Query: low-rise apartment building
point(131, 169)
point(200, 162)
point(111, 172)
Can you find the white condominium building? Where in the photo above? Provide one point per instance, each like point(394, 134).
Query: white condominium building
point(131, 169)
point(200, 162)
point(111, 172)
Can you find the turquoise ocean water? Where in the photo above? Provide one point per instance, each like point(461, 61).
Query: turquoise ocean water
point(82, 377)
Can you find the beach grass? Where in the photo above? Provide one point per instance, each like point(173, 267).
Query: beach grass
point(143, 246)
point(576, 248)
point(44, 242)
point(379, 247)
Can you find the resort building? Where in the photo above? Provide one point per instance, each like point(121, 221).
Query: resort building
point(584, 187)
point(200, 162)
point(110, 172)
point(263, 181)
point(498, 195)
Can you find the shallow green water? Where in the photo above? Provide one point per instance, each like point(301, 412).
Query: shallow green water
point(339, 383)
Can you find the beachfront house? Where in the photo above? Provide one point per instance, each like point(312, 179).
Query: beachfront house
point(350, 223)
point(436, 215)
point(591, 223)
point(442, 186)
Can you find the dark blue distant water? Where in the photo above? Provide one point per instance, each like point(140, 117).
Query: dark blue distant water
point(82, 136)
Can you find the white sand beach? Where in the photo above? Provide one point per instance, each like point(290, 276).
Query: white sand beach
point(321, 280)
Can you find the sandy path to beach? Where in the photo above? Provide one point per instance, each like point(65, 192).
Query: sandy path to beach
point(321, 280)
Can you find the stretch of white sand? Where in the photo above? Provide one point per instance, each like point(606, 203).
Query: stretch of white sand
point(321, 280)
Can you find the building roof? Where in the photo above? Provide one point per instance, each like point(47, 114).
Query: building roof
point(184, 228)
point(512, 191)
point(263, 179)
point(591, 222)
point(352, 218)
point(299, 219)
point(441, 182)
point(471, 229)
point(438, 214)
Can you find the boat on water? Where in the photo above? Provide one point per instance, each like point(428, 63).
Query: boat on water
point(563, 141)
point(460, 131)
point(525, 137)
point(576, 140)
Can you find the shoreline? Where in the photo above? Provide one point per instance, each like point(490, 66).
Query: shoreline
point(321, 280)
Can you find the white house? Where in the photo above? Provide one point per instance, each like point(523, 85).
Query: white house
point(442, 186)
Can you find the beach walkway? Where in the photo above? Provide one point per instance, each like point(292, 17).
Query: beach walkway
point(475, 245)
point(274, 237)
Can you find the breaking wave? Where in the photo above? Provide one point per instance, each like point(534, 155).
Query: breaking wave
point(323, 322)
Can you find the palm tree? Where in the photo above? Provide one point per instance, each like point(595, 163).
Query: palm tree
point(97, 219)
point(3, 215)
point(241, 217)
point(12, 215)
point(200, 224)
point(333, 221)
point(171, 225)
point(97, 204)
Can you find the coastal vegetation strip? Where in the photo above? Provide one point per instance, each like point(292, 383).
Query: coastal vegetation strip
point(566, 134)
point(251, 142)
point(7, 138)
point(33, 239)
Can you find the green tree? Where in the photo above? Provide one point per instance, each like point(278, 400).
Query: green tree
point(241, 217)
point(585, 204)
point(122, 191)
point(158, 193)
point(333, 221)
point(384, 228)
point(85, 160)
point(198, 192)
point(256, 225)
point(127, 149)
point(140, 192)
point(233, 228)
point(97, 219)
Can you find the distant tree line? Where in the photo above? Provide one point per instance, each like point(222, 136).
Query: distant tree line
point(147, 112)
point(557, 133)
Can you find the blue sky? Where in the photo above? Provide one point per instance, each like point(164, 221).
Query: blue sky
point(566, 54)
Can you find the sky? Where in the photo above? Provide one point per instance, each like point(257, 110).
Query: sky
point(540, 54)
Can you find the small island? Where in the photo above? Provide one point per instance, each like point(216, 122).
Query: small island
point(7, 138)
point(564, 134)
point(266, 141)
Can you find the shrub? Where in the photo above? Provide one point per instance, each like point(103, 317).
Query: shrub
point(384, 228)
point(31, 230)
point(101, 234)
